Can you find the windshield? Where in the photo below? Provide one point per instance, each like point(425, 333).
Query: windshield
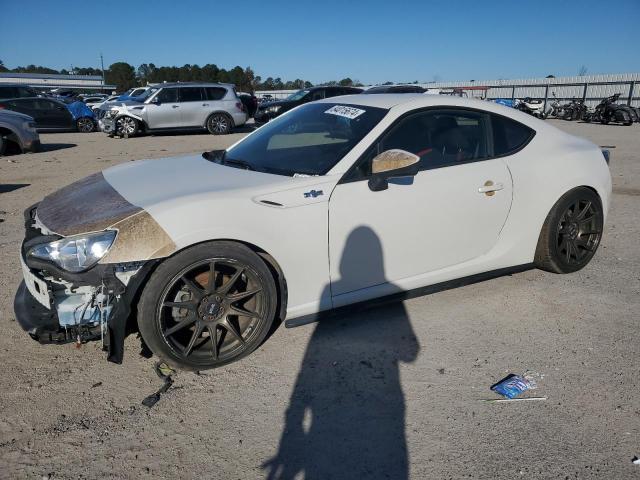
point(147, 94)
point(298, 95)
point(309, 140)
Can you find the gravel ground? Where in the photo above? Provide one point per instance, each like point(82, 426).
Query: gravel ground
point(389, 393)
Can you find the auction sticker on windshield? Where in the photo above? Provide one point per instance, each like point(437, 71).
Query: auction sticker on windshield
point(347, 112)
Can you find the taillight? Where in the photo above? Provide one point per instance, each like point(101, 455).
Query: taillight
point(2, 107)
point(240, 105)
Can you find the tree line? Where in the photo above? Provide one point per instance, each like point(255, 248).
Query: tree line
point(125, 76)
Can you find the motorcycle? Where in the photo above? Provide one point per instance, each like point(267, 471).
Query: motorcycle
point(609, 111)
point(531, 106)
point(556, 109)
point(575, 110)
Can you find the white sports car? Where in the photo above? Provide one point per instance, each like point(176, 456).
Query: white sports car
point(334, 203)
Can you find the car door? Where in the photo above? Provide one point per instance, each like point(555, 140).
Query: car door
point(451, 212)
point(193, 106)
point(163, 110)
point(57, 114)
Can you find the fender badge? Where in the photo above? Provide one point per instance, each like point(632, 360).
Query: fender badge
point(313, 194)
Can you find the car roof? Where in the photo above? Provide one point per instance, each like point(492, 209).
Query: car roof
point(192, 84)
point(411, 101)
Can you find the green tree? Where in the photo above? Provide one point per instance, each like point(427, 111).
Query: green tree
point(122, 75)
point(346, 82)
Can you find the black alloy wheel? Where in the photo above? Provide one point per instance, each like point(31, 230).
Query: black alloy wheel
point(571, 233)
point(215, 310)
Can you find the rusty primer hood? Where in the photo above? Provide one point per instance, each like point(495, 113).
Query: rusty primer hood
point(92, 204)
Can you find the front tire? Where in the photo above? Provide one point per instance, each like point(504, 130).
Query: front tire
point(207, 306)
point(571, 232)
point(127, 126)
point(219, 124)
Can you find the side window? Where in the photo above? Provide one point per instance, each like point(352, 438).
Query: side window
point(441, 138)
point(215, 93)
point(8, 92)
point(168, 95)
point(509, 136)
point(317, 95)
point(26, 92)
point(190, 94)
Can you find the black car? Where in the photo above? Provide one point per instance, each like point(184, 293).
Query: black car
point(50, 114)
point(269, 110)
point(396, 89)
point(15, 90)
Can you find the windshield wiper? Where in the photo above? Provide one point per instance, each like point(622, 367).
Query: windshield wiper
point(237, 163)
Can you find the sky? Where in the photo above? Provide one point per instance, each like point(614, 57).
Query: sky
point(372, 42)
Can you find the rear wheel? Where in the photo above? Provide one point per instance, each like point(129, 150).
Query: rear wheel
point(571, 232)
point(85, 125)
point(207, 306)
point(219, 124)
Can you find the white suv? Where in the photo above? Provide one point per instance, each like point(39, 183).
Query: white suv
point(177, 106)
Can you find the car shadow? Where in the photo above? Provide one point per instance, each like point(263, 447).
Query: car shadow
point(10, 187)
point(52, 147)
point(346, 415)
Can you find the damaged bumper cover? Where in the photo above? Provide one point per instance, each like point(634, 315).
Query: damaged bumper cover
point(56, 306)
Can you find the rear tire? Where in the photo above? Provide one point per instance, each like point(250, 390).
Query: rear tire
point(571, 232)
point(85, 125)
point(195, 320)
point(219, 124)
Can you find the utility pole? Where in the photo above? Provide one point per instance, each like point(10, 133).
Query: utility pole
point(102, 68)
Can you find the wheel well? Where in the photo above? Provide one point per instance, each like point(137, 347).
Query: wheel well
point(13, 144)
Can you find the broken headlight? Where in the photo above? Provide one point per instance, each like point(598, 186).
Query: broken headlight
point(76, 253)
point(111, 114)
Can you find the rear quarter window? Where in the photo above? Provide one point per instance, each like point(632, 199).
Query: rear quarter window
point(215, 93)
point(509, 136)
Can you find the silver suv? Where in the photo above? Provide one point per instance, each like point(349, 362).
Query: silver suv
point(176, 106)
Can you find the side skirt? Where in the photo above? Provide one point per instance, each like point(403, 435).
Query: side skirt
point(407, 294)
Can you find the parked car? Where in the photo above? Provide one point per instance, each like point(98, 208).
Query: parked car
point(396, 89)
point(16, 90)
point(132, 94)
point(17, 133)
point(249, 101)
point(270, 110)
point(176, 106)
point(53, 115)
point(336, 202)
point(94, 102)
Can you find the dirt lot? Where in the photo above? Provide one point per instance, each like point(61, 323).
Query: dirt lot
point(399, 385)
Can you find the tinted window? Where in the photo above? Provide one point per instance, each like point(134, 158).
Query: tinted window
point(317, 95)
point(168, 95)
point(509, 135)
point(309, 140)
point(8, 92)
point(190, 94)
point(439, 137)
point(215, 93)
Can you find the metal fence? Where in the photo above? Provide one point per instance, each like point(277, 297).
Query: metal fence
point(590, 88)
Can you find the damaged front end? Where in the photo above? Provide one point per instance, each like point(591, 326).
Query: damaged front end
point(56, 305)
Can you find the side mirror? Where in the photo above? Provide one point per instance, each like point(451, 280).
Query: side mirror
point(390, 164)
point(156, 101)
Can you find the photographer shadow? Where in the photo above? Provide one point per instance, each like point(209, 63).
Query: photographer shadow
point(346, 415)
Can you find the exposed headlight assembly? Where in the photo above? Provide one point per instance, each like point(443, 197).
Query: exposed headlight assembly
point(274, 109)
point(111, 113)
point(77, 253)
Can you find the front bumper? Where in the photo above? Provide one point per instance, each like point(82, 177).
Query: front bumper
point(107, 125)
point(55, 306)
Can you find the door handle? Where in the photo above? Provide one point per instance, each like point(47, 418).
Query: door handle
point(205, 104)
point(175, 106)
point(489, 188)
